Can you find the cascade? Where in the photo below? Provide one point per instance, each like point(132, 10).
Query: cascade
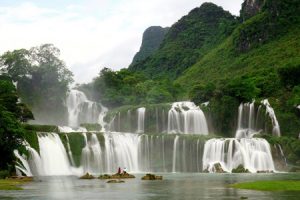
point(136, 152)
point(82, 110)
point(141, 119)
point(185, 117)
point(182, 117)
point(54, 158)
point(251, 121)
point(254, 154)
point(91, 157)
point(270, 111)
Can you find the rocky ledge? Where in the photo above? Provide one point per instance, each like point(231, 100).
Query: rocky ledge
point(240, 169)
point(151, 177)
point(87, 176)
point(116, 176)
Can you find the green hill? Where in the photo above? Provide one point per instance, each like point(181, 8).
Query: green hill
point(188, 40)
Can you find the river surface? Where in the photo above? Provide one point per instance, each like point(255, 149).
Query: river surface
point(174, 186)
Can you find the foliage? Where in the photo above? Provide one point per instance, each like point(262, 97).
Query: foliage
point(42, 79)
point(188, 40)
point(124, 87)
point(280, 185)
point(290, 146)
point(290, 74)
point(11, 114)
point(40, 128)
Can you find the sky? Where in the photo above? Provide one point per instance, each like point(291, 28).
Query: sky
point(91, 34)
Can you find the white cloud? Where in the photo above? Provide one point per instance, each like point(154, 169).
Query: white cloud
point(93, 34)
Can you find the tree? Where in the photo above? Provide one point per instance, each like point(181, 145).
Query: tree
point(11, 113)
point(43, 80)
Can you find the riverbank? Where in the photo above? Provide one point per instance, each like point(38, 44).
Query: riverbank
point(283, 185)
point(13, 184)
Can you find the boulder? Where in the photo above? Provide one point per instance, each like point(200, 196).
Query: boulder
point(151, 177)
point(240, 169)
point(87, 176)
point(218, 168)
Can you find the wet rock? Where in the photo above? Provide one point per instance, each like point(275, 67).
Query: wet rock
point(240, 169)
point(116, 176)
point(151, 177)
point(115, 181)
point(87, 176)
point(218, 168)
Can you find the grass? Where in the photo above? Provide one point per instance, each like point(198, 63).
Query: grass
point(283, 185)
point(12, 184)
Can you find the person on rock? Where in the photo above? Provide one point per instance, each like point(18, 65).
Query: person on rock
point(119, 170)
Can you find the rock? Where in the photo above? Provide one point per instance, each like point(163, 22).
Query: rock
point(218, 168)
point(87, 176)
point(116, 176)
point(115, 181)
point(242, 197)
point(151, 177)
point(240, 169)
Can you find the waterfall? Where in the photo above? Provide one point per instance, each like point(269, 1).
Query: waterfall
point(251, 122)
point(141, 120)
point(102, 114)
point(174, 153)
point(82, 110)
point(54, 158)
point(136, 152)
point(254, 154)
point(246, 121)
point(270, 111)
point(91, 157)
point(185, 117)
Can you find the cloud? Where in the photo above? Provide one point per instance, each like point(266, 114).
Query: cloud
point(91, 34)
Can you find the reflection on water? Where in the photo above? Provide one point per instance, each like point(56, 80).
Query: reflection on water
point(174, 186)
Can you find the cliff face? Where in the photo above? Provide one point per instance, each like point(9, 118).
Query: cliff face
point(152, 38)
point(250, 8)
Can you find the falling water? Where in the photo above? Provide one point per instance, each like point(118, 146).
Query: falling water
point(185, 117)
point(174, 153)
point(136, 152)
point(82, 110)
point(254, 154)
point(54, 158)
point(141, 120)
point(270, 111)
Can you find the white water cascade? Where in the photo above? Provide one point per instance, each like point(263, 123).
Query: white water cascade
point(270, 111)
point(253, 154)
point(54, 158)
point(91, 156)
point(185, 117)
point(82, 110)
point(105, 152)
point(141, 120)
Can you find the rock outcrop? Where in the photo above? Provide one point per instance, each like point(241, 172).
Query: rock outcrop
point(151, 177)
point(116, 176)
point(87, 176)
